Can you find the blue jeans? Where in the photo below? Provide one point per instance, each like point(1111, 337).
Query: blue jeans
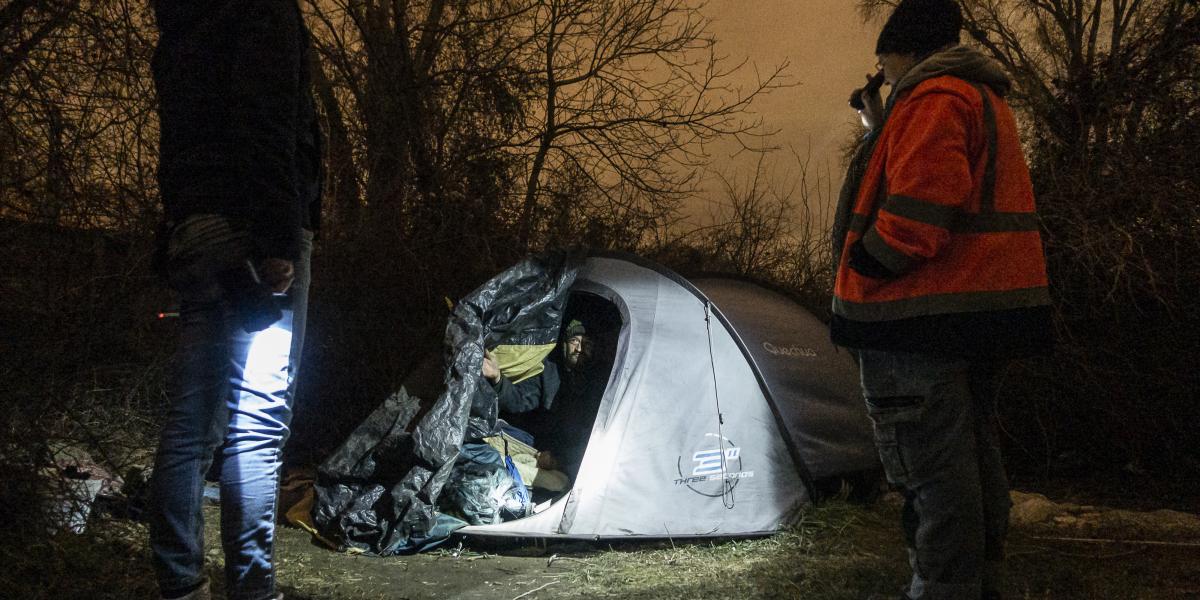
point(233, 391)
point(934, 421)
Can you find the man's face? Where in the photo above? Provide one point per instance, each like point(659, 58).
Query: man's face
point(894, 66)
point(577, 351)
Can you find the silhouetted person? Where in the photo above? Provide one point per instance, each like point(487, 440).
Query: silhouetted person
point(940, 273)
point(240, 183)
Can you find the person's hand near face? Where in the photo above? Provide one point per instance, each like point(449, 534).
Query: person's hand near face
point(871, 102)
point(892, 67)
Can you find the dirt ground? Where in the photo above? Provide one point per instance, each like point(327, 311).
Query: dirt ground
point(309, 571)
point(1057, 550)
point(836, 551)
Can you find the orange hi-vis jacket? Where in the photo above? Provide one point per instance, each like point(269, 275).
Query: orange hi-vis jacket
point(942, 252)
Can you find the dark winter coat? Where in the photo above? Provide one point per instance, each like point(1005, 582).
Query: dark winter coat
point(557, 409)
point(238, 126)
point(534, 393)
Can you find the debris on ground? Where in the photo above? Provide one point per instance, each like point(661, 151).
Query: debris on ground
point(1035, 511)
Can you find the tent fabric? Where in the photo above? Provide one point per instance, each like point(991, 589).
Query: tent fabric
point(700, 431)
point(378, 492)
point(723, 402)
point(679, 447)
point(815, 383)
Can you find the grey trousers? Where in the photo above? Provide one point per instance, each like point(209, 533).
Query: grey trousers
point(935, 429)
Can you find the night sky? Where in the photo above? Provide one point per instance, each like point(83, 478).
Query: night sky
point(829, 50)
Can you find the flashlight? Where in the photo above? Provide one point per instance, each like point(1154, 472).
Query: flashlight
point(873, 85)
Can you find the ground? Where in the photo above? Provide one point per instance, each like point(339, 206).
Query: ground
point(1058, 550)
point(839, 550)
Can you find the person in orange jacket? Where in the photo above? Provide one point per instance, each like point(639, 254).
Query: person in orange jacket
point(940, 276)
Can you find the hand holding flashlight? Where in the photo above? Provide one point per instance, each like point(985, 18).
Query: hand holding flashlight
point(277, 274)
point(868, 102)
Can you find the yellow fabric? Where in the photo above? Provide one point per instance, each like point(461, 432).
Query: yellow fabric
point(525, 460)
point(519, 363)
point(508, 445)
point(300, 515)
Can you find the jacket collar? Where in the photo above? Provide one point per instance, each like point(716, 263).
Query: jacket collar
point(958, 61)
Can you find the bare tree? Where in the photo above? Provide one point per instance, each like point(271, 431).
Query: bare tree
point(623, 94)
point(629, 92)
point(752, 223)
point(77, 118)
point(772, 223)
point(414, 91)
point(24, 25)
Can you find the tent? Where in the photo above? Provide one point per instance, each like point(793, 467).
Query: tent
point(724, 404)
point(726, 401)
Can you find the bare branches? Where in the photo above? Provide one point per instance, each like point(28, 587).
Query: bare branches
point(622, 95)
point(772, 223)
point(638, 86)
point(24, 24)
point(77, 109)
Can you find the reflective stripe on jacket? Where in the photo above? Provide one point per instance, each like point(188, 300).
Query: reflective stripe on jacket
point(945, 214)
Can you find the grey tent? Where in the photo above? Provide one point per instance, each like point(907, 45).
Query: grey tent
point(725, 402)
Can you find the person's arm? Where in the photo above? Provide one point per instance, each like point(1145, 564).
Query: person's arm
point(515, 398)
point(929, 181)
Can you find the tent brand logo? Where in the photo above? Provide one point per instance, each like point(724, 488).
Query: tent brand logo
point(792, 351)
point(708, 462)
point(714, 462)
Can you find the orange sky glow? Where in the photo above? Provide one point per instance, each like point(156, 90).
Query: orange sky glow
point(829, 50)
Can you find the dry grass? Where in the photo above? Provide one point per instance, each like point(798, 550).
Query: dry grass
point(836, 551)
point(839, 551)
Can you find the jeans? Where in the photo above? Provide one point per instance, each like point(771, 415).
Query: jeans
point(232, 391)
point(935, 429)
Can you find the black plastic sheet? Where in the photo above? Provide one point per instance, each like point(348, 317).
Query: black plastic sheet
point(379, 491)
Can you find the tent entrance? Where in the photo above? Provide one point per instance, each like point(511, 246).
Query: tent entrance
point(564, 430)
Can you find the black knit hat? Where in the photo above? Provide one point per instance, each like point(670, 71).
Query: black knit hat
point(573, 329)
point(920, 27)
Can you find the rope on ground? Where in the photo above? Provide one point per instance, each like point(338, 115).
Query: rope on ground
point(534, 590)
point(555, 557)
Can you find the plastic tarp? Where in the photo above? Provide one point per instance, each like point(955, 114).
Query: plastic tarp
point(379, 491)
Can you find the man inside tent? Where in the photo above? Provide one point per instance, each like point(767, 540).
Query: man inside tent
point(546, 406)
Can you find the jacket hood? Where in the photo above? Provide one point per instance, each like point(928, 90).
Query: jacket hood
point(961, 62)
